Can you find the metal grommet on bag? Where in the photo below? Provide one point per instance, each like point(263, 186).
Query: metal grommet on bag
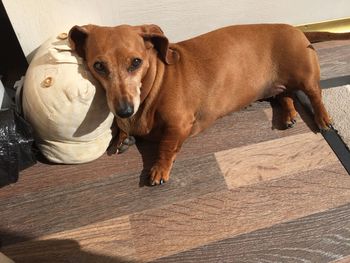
point(48, 82)
point(62, 36)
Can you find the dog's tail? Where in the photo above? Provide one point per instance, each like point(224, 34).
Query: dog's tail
point(315, 37)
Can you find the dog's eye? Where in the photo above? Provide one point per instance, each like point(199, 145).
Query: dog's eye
point(135, 64)
point(100, 68)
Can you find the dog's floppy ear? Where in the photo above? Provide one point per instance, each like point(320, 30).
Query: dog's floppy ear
point(155, 35)
point(77, 37)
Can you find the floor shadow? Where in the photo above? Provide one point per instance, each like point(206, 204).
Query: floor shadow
point(277, 113)
point(335, 82)
point(27, 250)
point(149, 154)
point(42, 159)
point(304, 111)
point(276, 122)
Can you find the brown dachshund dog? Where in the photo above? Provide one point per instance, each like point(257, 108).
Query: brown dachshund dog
point(172, 91)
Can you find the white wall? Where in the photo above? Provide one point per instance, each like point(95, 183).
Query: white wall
point(35, 20)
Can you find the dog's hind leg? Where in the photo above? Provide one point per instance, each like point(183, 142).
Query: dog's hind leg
point(289, 112)
point(314, 93)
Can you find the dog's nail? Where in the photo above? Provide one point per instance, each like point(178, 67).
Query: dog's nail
point(154, 182)
point(294, 121)
point(126, 141)
point(290, 125)
point(325, 129)
point(161, 181)
point(129, 141)
point(132, 140)
point(122, 148)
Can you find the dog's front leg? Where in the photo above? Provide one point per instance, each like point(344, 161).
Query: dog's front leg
point(120, 143)
point(169, 146)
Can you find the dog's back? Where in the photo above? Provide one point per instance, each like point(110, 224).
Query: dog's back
point(228, 68)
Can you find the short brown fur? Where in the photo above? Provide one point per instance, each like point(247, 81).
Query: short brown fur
point(188, 85)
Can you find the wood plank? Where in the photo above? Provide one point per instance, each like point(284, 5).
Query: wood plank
point(63, 208)
point(45, 176)
point(321, 237)
point(109, 239)
point(237, 129)
point(189, 224)
point(245, 127)
point(268, 160)
point(329, 46)
point(334, 60)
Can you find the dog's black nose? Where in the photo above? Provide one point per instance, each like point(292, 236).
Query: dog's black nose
point(125, 110)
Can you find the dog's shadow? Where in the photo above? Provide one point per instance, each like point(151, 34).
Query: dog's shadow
point(27, 249)
point(304, 115)
point(149, 154)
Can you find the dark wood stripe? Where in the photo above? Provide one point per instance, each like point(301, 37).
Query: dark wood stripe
point(330, 46)
point(334, 61)
point(79, 204)
point(321, 237)
point(241, 128)
point(245, 127)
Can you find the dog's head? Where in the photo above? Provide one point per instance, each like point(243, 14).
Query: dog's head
point(118, 58)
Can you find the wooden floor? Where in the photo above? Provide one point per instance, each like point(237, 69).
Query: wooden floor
point(242, 191)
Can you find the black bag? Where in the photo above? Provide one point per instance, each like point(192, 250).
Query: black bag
point(16, 141)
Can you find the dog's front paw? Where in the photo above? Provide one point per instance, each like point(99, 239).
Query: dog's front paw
point(125, 144)
point(122, 146)
point(159, 175)
point(290, 123)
